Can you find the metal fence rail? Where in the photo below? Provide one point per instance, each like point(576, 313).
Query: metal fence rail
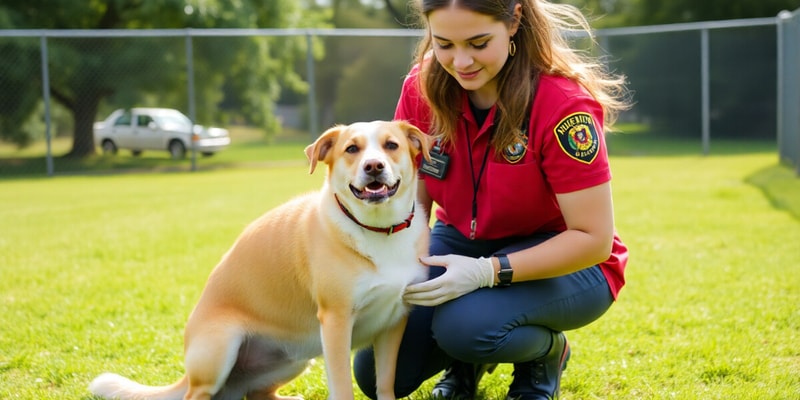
point(721, 79)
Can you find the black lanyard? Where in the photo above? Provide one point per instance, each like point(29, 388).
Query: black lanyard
point(473, 227)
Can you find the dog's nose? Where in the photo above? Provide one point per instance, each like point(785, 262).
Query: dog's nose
point(373, 167)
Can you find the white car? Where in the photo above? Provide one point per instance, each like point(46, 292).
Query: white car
point(139, 129)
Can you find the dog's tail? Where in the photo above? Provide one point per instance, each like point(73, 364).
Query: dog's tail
point(113, 386)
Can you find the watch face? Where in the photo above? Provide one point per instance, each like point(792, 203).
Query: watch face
point(505, 276)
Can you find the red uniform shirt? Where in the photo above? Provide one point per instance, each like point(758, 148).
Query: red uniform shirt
point(563, 151)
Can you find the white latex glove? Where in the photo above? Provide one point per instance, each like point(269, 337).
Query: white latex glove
point(463, 275)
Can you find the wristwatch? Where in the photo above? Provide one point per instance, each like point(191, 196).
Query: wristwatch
point(506, 273)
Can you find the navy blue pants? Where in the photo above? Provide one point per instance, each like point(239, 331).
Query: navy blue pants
point(490, 325)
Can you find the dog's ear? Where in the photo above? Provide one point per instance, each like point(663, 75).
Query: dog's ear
point(318, 150)
point(420, 142)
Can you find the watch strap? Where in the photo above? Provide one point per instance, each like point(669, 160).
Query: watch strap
point(505, 273)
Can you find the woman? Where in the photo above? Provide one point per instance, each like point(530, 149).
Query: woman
point(524, 246)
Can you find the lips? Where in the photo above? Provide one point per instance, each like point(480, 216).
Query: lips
point(468, 75)
point(375, 191)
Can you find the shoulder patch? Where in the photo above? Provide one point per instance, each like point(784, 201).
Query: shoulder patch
point(577, 136)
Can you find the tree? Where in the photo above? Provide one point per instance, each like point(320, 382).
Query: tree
point(400, 12)
point(347, 55)
point(651, 12)
point(246, 72)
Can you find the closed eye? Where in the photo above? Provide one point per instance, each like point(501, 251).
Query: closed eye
point(444, 46)
point(477, 42)
point(480, 45)
point(474, 45)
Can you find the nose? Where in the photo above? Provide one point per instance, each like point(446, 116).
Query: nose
point(462, 59)
point(373, 167)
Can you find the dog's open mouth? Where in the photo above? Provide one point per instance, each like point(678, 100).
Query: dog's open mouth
point(375, 191)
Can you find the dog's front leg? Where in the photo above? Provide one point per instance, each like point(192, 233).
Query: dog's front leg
point(337, 331)
point(387, 346)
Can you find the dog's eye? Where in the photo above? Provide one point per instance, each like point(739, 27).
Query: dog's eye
point(352, 149)
point(391, 146)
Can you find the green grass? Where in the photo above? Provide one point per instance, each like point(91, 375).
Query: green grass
point(248, 147)
point(99, 272)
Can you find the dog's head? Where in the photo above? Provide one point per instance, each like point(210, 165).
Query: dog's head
point(370, 162)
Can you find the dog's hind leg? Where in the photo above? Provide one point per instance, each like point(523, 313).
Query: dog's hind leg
point(270, 392)
point(211, 353)
point(263, 366)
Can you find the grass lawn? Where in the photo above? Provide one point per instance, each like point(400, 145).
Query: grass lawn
point(248, 147)
point(99, 273)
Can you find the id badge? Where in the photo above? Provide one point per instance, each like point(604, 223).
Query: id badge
point(437, 166)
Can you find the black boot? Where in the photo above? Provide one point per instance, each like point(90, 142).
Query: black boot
point(460, 381)
point(540, 379)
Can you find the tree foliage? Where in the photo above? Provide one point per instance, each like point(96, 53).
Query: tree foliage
point(241, 78)
point(87, 72)
point(664, 69)
point(650, 12)
point(618, 13)
point(359, 65)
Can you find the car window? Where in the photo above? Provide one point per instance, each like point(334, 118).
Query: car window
point(124, 119)
point(143, 120)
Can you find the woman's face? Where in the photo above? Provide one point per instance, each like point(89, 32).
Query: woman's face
point(472, 47)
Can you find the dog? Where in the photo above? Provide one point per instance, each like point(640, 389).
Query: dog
point(319, 275)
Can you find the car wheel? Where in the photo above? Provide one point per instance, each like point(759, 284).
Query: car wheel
point(109, 147)
point(136, 153)
point(176, 149)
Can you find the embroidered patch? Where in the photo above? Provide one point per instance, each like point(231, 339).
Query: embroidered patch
point(516, 151)
point(577, 136)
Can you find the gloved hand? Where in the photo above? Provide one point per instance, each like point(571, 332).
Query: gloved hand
point(463, 275)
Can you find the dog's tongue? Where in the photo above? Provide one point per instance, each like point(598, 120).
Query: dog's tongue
point(376, 190)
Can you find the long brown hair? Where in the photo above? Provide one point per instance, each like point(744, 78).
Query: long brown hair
point(542, 47)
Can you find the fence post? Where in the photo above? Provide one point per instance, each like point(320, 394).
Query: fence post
point(46, 95)
point(705, 90)
point(312, 94)
point(788, 90)
point(782, 17)
point(190, 84)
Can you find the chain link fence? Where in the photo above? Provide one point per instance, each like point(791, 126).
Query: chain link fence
point(702, 81)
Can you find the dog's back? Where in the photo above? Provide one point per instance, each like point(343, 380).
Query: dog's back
point(266, 268)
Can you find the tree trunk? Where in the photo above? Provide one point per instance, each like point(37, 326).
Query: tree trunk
point(84, 114)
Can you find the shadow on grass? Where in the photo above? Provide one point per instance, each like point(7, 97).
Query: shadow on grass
point(249, 147)
point(241, 153)
point(29, 167)
point(779, 183)
point(781, 186)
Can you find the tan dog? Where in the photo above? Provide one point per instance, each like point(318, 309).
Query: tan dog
point(319, 275)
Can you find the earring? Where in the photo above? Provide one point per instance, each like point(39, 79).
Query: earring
point(512, 48)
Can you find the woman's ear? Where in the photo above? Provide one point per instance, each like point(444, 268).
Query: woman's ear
point(512, 30)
